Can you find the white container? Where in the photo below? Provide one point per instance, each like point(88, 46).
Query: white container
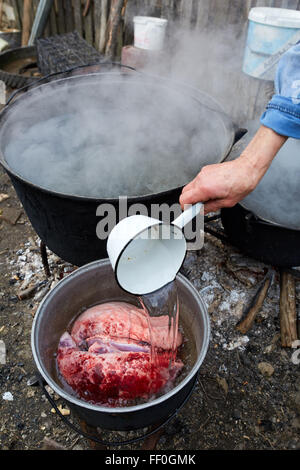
point(145, 253)
point(271, 32)
point(149, 32)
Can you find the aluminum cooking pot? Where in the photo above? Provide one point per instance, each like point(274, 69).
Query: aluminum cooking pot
point(88, 286)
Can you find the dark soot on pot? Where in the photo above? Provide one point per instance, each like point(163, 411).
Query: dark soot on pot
point(106, 138)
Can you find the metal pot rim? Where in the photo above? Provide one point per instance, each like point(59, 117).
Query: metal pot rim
point(118, 410)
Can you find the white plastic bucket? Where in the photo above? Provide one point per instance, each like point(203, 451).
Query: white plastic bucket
point(271, 32)
point(149, 32)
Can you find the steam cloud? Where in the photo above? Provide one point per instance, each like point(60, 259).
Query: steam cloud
point(111, 136)
point(106, 139)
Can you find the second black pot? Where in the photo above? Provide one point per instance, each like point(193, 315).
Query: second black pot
point(261, 240)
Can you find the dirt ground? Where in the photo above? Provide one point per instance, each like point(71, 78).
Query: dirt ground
point(237, 404)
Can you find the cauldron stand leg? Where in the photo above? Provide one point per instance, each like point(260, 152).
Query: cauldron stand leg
point(43, 250)
point(151, 441)
point(92, 431)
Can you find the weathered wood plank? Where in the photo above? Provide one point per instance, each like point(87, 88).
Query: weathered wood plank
point(97, 18)
point(78, 16)
point(218, 12)
point(237, 12)
point(168, 10)
point(131, 11)
point(47, 31)
point(186, 9)
point(61, 26)
point(53, 24)
point(88, 26)
point(69, 16)
point(17, 14)
point(202, 14)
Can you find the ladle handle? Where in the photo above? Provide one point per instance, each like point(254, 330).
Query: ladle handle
point(188, 215)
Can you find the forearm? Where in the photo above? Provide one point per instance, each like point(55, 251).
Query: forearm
point(225, 184)
point(260, 152)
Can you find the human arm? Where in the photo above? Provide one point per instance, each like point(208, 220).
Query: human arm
point(225, 184)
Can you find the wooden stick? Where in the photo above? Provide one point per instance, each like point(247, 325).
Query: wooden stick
point(288, 312)
point(86, 8)
point(256, 304)
point(113, 26)
point(103, 25)
point(25, 294)
point(50, 444)
point(26, 22)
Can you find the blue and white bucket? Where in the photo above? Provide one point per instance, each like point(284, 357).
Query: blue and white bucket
point(271, 32)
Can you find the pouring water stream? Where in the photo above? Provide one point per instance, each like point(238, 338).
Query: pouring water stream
point(146, 255)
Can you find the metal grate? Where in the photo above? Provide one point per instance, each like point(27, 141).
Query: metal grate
point(61, 52)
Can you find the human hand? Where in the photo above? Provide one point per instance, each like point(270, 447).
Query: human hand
point(225, 184)
point(220, 185)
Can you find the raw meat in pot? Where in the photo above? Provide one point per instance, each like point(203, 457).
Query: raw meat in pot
point(122, 320)
point(107, 357)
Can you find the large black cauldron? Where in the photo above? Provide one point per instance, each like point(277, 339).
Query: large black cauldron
point(67, 222)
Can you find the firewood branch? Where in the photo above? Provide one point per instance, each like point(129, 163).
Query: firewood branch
point(288, 312)
point(256, 304)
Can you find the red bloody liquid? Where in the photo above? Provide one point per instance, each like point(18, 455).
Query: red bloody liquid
point(106, 358)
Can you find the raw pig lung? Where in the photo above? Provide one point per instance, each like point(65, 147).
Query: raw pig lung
point(122, 320)
point(106, 359)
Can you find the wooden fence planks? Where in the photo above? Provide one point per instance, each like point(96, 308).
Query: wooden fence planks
point(68, 15)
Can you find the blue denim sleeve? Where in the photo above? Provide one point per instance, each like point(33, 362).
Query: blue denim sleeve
point(282, 113)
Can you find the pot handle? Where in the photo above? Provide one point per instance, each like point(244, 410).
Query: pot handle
point(54, 74)
point(117, 443)
point(239, 132)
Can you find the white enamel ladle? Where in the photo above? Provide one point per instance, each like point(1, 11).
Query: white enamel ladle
point(146, 253)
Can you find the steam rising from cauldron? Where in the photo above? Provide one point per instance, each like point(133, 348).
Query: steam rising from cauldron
point(107, 141)
point(117, 136)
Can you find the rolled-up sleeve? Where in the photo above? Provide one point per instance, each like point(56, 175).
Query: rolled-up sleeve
point(282, 113)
